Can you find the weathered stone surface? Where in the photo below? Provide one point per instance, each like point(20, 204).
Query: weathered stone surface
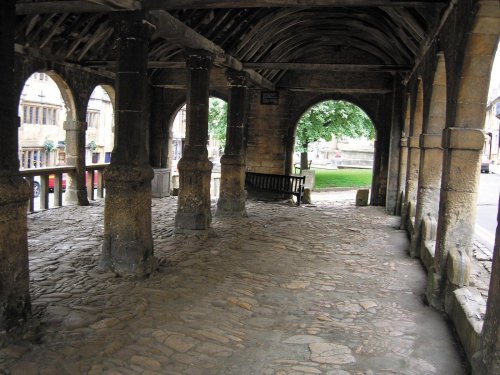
point(362, 197)
point(303, 339)
point(331, 353)
point(298, 286)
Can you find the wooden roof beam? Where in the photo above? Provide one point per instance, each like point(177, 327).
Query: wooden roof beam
point(76, 6)
point(207, 4)
point(97, 6)
point(173, 30)
point(327, 67)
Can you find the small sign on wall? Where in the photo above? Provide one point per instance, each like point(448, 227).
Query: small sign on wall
point(269, 97)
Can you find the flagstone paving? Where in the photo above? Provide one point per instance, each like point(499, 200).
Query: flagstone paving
point(326, 288)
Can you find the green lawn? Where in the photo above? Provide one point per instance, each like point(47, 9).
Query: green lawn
point(354, 178)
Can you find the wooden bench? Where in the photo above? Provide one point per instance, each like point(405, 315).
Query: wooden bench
point(276, 183)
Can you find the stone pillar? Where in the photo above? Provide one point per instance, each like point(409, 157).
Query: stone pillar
point(487, 360)
point(232, 187)
point(15, 306)
point(457, 206)
point(76, 191)
point(394, 150)
point(429, 186)
point(403, 161)
point(380, 164)
point(410, 198)
point(193, 209)
point(128, 243)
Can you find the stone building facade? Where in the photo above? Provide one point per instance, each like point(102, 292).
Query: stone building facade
point(419, 69)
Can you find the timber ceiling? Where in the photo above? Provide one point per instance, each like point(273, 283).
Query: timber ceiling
point(267, 38)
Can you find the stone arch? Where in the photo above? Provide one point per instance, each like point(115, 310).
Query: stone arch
point(64, 88)
point(481, 45)
point(305, 107)
point(308, 104)
point(30, 138)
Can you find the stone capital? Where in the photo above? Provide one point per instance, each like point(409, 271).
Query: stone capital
point(430, 141)
point(404, 142)
point(463, 139)
point(414, 142)
point(236, 79)
point(198, 59)
point(75, 125)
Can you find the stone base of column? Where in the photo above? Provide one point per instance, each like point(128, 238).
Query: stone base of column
point(415, 241)
point(193, 208)
point(434, 293)
point(15, 303)
point(128, 242)
point(76, 192)
point(232, 188)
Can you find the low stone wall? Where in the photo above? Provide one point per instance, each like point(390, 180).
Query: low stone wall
point(464, 304)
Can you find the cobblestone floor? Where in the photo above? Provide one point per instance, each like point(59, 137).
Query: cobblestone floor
point(320, 289)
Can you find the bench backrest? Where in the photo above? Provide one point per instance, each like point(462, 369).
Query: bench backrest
point(274, 182)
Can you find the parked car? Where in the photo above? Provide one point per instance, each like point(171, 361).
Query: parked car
point(37, 186)
point(485, 165)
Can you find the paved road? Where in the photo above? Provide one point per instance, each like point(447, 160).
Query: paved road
point(487, 208)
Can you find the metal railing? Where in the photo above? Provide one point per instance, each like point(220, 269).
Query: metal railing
point(53, 178)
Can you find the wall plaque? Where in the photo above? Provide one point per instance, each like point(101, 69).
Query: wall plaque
point(270, 97)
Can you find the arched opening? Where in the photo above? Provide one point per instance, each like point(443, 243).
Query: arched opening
point(217, 124)
point(44, 105)
point(335, 138)
point(489, 182)
point(100, 126)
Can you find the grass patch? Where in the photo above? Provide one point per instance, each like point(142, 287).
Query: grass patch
point(344, 178)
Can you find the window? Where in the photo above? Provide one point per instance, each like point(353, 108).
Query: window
point(93, 118)
point(41, 115)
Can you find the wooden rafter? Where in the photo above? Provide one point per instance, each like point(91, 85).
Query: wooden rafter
point(76, 6)
point(173, 30)
point(327, 67)
point(203, 4)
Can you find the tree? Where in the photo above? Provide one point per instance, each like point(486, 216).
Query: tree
point(217, 119)
point(327, 119)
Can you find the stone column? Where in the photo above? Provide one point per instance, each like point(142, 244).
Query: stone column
point(128, 244)
point(380, 164)
point(394, 150)
point(429, 186)
point(403, 161)
point(457, 207)
point(410, 198)
point(76, 191)
point(487, 360)
point(193, 209)
point(15, 306)
point(232, 188)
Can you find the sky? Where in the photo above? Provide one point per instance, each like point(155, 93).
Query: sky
point(495, 78)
